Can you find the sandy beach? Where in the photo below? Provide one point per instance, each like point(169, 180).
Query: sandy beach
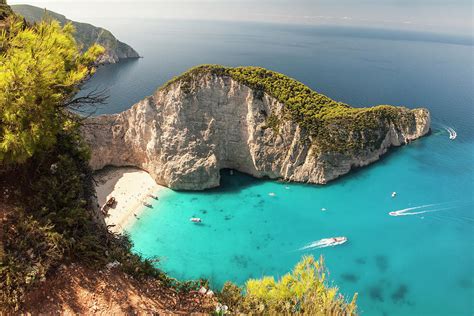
point(130, 187)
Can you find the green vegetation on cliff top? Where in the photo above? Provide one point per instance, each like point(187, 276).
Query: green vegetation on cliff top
point(331, 125)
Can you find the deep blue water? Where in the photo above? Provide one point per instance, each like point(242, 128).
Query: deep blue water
point(407, 265)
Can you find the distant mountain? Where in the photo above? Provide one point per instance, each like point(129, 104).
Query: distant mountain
point(86, 34)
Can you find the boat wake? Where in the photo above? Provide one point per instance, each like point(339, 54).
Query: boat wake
point(406, 211)
point(463, 220)
point(452, 133)
point(325, 242)
point(420, 210)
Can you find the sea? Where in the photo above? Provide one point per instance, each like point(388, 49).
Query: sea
point(412, 254)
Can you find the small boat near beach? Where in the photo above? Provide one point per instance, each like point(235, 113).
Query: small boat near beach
point(154, 197)
point(111, 202)
point(195, 220)
point(147, 205)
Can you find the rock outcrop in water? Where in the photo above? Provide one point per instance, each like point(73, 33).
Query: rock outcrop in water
point(212, 118)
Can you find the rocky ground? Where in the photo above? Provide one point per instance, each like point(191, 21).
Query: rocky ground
point(75, 289)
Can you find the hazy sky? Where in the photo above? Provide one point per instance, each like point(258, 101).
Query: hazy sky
point(446, 16)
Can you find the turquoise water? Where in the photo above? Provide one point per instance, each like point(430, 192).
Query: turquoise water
point(407, 265)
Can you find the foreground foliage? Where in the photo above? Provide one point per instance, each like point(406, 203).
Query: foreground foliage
point(40, 71)
point(4, 9)
point(55, 223)
point(301, 292)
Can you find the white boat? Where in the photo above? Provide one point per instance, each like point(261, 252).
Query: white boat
point(325, 242)
point(452, 133)
point(394, 194)
point(195, 220)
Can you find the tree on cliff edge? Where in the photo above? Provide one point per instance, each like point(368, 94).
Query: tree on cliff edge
point(41, 68)
point(5, 10)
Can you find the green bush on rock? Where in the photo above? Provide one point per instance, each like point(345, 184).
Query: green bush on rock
point(301, 292)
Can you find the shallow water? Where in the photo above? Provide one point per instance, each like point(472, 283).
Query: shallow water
point(418, 264)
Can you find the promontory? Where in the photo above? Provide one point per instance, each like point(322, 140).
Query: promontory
point(249, 119)
point(86, 34)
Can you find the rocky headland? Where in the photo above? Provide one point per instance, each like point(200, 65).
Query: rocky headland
point(249, 119)
point(86, 34)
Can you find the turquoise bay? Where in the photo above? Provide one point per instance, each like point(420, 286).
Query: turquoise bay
point(407, 265)
point(399, 265)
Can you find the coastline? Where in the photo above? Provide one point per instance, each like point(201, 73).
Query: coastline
point(131, 188)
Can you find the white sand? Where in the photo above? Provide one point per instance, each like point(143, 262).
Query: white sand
point(130, 187)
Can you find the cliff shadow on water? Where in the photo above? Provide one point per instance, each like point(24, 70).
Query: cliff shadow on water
point(358, 173)
point(232, 182)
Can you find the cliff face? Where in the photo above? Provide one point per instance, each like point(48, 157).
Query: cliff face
point(86, 34)
point(187, 132)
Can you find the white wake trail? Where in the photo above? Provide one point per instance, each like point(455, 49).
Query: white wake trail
point(405, 211)
point(452, 132)
point(325, 242)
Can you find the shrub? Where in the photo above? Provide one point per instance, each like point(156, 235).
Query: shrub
point(31, 249)
point(302, 292)
point(41, 68)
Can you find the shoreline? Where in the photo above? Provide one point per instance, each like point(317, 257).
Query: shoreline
point(131, 188)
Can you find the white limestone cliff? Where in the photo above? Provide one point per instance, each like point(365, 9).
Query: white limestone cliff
point(183, 139)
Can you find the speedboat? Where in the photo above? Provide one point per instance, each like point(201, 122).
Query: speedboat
point(452, 133)
point(195, 220)
point(337, 241)
point(394, 194)
point(325, 242)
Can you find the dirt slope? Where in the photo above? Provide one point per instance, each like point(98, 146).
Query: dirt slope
point(79, 290)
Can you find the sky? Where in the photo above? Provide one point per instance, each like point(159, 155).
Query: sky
point(439, 16)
